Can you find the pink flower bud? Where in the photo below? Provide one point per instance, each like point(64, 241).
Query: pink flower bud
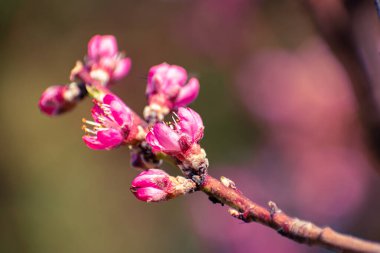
point(121, 69)
point(113, 124)
point(177, 138)
point(152, 185)
point(167, 86)
point(104, 63)
point(156, 185)
point(60, 98)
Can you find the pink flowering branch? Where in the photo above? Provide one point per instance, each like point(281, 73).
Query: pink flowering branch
point(152, 141)
point(180, 141)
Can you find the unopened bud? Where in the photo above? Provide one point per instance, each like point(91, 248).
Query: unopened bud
point(155, 185)
point(58, 99)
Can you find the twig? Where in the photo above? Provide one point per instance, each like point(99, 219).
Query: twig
point(293, 228)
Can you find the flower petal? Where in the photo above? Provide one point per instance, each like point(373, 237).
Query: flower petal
point(163, 138)
point(102, 46)
point(150, 194)
point(93, 143)
point(188, 93)
point(110, 137)
point(190, 123)
point(122, 68)
point(150, 178)
point(104, 139)
point(120, 112)
point(166, 78)
point(157, 70)
point(176, 74)
point(173, 80)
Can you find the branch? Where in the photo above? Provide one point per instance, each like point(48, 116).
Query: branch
point(179, 144)
point(293, 228)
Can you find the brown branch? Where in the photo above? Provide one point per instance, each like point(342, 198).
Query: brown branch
point(293, 228)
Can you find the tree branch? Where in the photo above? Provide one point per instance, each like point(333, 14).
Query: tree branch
point(293, 228)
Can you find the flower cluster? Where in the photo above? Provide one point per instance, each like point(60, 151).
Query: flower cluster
point(103, 65)
point(114, 124)
point(152, 141)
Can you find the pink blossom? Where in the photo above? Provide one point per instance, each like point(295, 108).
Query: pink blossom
point(112, 125)
point(179, 137)
point(104, 62)
point(167, 86)
point(152, 185)
point(58, 99)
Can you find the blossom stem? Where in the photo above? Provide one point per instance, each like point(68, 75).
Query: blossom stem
point(293, 228)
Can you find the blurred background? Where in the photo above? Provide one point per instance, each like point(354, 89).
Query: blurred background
point(290, 95)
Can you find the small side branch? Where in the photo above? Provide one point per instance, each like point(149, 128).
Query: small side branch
point(293, 228)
